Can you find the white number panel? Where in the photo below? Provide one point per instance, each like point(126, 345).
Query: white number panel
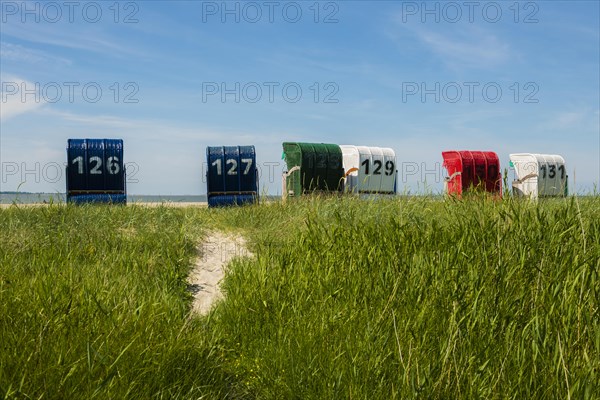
point(552, 175)
point(539, 175)
point(351, 162)
point(388, 177)
point(369, 169)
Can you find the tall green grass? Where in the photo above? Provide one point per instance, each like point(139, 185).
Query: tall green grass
point(93, 304)
point(345, 298)
point(420, 299)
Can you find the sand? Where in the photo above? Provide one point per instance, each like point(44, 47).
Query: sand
point(214, 255)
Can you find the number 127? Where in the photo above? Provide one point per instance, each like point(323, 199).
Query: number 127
point(233, 165)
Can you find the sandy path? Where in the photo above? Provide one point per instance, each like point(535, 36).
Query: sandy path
point(214, 254)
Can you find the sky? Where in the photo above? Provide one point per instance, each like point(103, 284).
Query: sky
point(173, 77)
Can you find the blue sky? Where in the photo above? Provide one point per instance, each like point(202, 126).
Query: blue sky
point(371, 73)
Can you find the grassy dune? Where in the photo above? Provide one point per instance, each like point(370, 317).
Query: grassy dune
point(403, 298)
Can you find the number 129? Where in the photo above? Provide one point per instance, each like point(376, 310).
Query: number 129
point(389, 167)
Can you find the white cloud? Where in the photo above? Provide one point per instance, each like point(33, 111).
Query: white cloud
point(464, 46)
point(581, 120)
point(155, 129)
point(18, 53)
point(104, 121)
point(568, 119)
point(13, 101)
point(71, 36)
point(471, 50)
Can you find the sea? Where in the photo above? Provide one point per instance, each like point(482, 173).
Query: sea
point(32, 198)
